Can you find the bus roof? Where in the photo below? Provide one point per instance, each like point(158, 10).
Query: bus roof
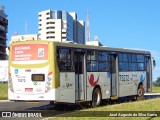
point(81, 46)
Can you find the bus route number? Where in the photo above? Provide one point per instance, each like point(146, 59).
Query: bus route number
point(124, 77)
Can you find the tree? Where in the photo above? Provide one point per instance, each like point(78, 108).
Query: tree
point(157, 82)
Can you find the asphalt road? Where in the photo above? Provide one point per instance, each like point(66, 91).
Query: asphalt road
point(44, 108)
point(23, 108)
point(21, 105)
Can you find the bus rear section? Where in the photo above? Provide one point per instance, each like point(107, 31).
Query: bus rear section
point(30, 74)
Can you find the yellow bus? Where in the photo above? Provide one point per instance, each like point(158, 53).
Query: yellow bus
point(72, 73)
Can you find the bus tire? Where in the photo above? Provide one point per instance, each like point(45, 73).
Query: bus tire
point(51, 102)
point(140, 92)
point(96, 97)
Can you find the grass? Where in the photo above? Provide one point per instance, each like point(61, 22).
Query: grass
point(156, 89)
point(3, 91)
point(131, 107)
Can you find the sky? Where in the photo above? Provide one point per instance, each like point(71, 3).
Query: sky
point(117, 23)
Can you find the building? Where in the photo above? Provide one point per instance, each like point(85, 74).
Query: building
point(27, 37)
point(61, 26)
point(3, 31)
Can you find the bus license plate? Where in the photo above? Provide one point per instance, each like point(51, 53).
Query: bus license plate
point(28, 89)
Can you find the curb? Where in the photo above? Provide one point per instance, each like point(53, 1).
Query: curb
point(5, 101)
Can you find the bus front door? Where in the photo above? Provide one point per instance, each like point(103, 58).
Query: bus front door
point(79, 75)
point(114, 73)
point(148, 74)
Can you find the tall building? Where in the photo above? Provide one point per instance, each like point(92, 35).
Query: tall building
point(60, 26)
point(3, 31)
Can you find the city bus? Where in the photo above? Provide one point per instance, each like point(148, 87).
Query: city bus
point(72, 73)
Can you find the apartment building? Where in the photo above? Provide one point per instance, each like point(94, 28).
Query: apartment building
point(56, 25)
point(3, 32)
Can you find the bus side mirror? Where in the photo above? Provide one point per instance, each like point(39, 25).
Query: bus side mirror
point(154, 63)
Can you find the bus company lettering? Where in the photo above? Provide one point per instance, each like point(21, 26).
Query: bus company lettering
point(91, 80)
point(66, 77)
point(134, 75)
point(69, 84)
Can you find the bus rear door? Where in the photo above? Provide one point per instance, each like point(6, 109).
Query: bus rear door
point(114, 75)
point(79, 75)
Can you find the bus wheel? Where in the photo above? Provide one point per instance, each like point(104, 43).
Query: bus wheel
point(51, 102)
point(140, 92)
point(96, 97)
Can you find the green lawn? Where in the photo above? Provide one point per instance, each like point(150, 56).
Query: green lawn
point(156, 89)
point(138, 107)
point(3, 91)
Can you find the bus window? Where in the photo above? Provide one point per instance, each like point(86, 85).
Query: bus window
point(132, 66)
point(132, 62)
point(129, 57)
point(91, 66)
point(140, 58)
point(93, 55)
point(103, 66)
point(134, 58)
point(65, 59)
point(125, 59)
point(123, 62)
point(140, 62)
point(123, 66)
point(102, 56)
point(103, 63)
point(140, 66)
point(92, 61)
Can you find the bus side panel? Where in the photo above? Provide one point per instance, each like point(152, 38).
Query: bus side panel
point(129, 81)
point(67, 87)
point(98, 78)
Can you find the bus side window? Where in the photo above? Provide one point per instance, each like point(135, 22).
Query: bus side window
point(140, 62)
point(103, 61)
point(65, 59)
point(123, 62)
point(92, 61)
point(132, 62)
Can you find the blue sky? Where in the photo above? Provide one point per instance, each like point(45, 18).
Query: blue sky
point(117, 23)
